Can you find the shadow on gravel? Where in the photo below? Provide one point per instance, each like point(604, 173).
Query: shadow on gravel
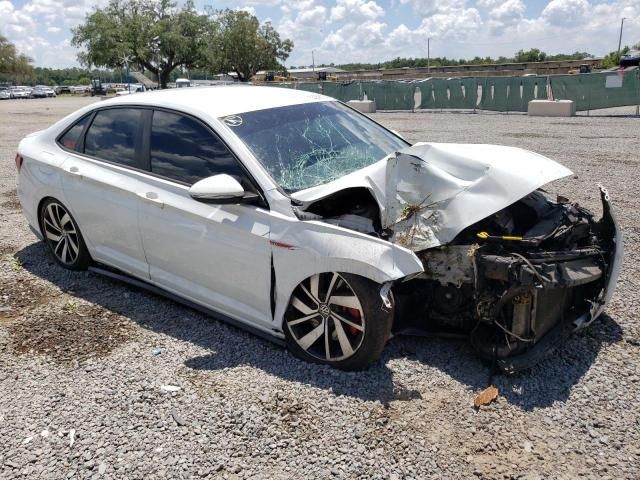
point(547, 383)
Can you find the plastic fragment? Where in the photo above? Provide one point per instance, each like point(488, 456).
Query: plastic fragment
point(169, 388)
point(486, 396)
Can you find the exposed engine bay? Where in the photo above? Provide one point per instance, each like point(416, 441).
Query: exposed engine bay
point(516, 283)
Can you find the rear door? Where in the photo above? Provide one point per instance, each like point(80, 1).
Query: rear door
point(216, 255)
point(101, 181)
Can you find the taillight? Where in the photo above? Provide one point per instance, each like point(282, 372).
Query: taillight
point(19, 161)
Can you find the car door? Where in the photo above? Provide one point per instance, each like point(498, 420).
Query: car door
point(101, 182)
point(216, 255)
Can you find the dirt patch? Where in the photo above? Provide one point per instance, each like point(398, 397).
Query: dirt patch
point(7, 250)
point(19, 294)
point(12, 202)
point(73, 333)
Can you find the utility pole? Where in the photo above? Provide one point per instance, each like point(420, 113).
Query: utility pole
point(428, 54)
point(313, 61)
point(620, 38)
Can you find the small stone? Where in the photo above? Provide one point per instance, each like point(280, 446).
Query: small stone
point(180, 421)
point(102, 468)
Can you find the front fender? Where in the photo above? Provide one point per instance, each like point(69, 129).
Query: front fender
point(304, 248)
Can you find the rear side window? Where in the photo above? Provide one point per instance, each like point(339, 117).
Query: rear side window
point(185, 150)
point(71, 139)
point(115, 136)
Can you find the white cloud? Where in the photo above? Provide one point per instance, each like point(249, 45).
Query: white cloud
point(356, 10)
point(249, 9)
point(429, 7)
point(566, 12)
point(502, 14)
point(341, 31)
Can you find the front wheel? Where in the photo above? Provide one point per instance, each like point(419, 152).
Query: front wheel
point(337, 319)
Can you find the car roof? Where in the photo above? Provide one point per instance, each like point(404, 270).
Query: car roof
point(220, 100)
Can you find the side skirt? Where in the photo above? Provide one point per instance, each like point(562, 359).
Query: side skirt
point(123, 277)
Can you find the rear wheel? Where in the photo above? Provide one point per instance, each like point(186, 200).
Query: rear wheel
point(63, 237)
point(337, 319)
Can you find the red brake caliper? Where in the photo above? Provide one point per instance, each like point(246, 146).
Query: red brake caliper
point(355, 313)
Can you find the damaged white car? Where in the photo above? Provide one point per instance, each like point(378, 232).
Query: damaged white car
point(296, 217)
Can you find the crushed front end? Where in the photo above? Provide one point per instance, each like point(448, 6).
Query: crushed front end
point(518, 282)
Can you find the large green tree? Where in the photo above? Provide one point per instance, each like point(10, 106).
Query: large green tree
point(238, 43)
point(13, 65)
point(150, 34)
point(533, 55)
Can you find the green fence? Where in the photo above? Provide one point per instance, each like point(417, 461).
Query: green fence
point(499, 94)
point(599, 90)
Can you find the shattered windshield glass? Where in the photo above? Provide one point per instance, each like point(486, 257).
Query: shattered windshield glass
point(314, 143)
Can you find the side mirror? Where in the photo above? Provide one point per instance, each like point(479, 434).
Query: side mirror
point(220, 188)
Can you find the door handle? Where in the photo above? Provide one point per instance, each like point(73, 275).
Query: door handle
point(151, 197)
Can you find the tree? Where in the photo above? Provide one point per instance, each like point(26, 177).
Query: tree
point(612, 59)
point(533, 55)
point(151, 34)
point(13, 64)
point(238, 43)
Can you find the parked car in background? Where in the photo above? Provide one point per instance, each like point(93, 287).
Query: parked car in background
point(630, 59)
point(20, 92)
point(80, 89)
point(62, 89)
point(42, 91)
point(303, 220)
point(133, 88)
point(45, 89)
point(5, 94)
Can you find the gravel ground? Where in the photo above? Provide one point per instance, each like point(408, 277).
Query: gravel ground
point(83, 360)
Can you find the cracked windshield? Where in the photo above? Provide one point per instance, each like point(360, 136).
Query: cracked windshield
point(314, 143)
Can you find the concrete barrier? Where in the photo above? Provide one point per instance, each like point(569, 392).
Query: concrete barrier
point(552, 108)
point(365, 106)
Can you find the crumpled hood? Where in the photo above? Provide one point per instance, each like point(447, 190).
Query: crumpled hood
point(430, 192)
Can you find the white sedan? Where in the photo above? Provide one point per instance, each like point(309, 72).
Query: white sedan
point(292, 215)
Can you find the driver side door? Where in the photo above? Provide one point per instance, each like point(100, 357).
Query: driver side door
point(216, 255)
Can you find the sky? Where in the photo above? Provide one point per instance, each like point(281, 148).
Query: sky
point(343, 31)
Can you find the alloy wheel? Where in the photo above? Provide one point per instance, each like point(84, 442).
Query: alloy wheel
point(325, 317)
point(61, 233)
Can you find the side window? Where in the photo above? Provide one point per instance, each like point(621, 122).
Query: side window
point(183, 149)
point(115, 135)
point(71, 139)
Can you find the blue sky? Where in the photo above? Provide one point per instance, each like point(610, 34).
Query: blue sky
point(341, 31)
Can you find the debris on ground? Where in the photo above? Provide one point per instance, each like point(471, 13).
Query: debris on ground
point(486, 396)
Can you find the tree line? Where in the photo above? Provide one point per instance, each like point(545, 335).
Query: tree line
point(532, 55)
point(159, 37)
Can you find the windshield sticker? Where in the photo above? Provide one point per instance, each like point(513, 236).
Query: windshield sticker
point(233, 120)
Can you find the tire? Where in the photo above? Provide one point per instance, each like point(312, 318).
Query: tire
point(62, 236)
point(337, 319)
